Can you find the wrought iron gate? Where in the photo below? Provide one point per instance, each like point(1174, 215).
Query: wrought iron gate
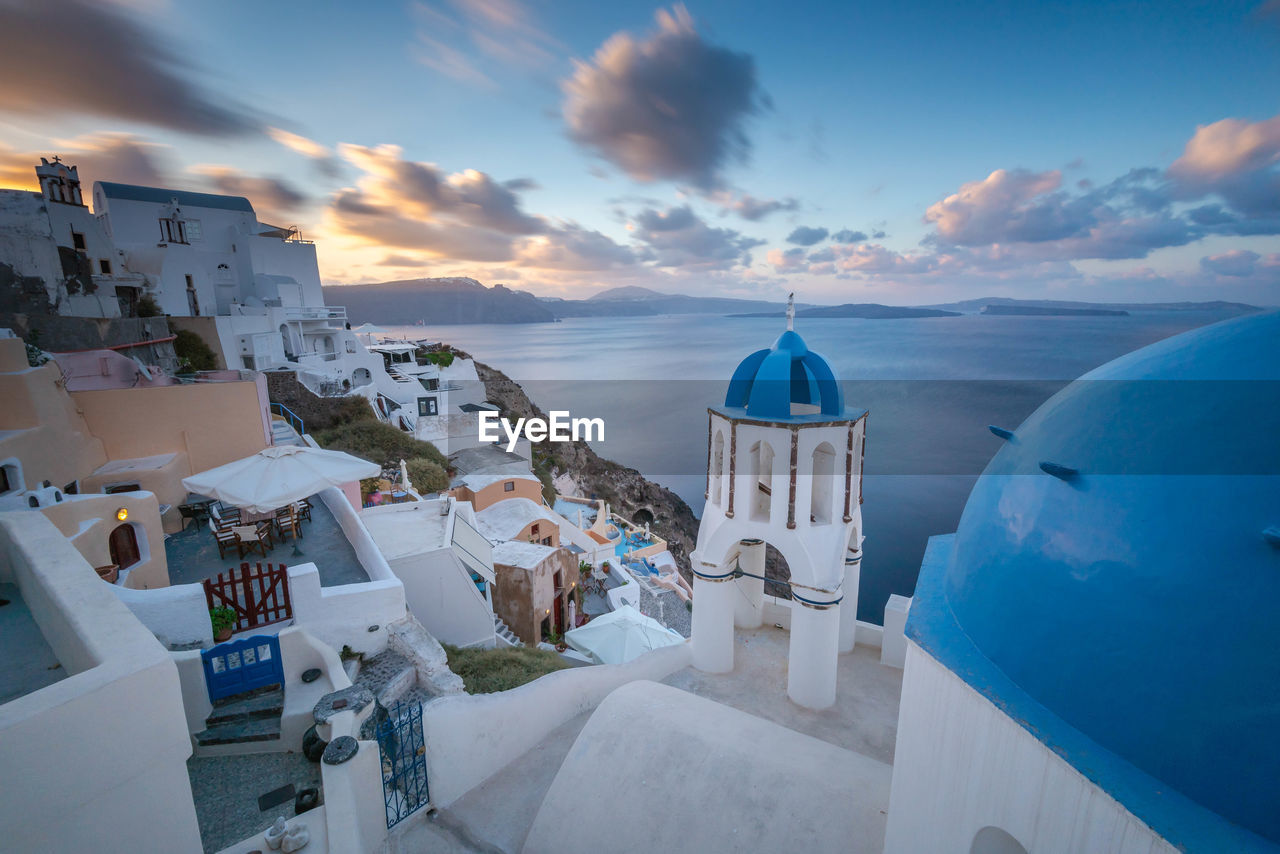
point(404, 762)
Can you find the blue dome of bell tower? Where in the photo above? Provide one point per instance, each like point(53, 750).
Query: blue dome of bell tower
point(768, 382)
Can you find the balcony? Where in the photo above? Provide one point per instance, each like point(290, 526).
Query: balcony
point(315, 312)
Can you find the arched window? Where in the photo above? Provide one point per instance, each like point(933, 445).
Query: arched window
point(762, 473)
point(361, 376)
point(993, 840)
point(717, 467)
point(124, 546)
point(824, 475)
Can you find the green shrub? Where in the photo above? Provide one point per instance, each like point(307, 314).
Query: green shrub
point(222, 618)
point(443, 358)
point(148, 307)
point(426, 476)
point(486, 671)
point(193, 354)
point(381, 443)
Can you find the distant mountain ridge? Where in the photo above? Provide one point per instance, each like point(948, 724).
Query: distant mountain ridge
point(441, 301)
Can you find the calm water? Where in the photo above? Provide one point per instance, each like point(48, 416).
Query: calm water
point(931, 385)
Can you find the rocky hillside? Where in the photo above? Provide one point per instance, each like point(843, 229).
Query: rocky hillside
point(627, 491)
point(437, 301)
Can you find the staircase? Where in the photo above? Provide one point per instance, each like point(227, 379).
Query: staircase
point(283, 434)
point(503, 632)
point(251, 716)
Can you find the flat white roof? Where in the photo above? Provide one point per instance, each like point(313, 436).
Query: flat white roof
point(400, 530)
point(477, 481)
point(520, 554)
point(157, 461)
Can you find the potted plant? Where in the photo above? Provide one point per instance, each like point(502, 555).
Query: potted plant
point(224, 622)
point(604, 567)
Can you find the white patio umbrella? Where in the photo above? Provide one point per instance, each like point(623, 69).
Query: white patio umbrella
point(369, 330)
point(619, 636)
point(279, 475)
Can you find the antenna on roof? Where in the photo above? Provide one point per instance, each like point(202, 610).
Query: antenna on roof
point(791, 311)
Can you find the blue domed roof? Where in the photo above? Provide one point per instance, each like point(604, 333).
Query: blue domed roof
point(767, 382)
point(1127, 610)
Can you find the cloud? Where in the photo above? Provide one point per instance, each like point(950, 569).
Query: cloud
point(669, 107)
point(845, 235)
point(805, 235)
point(272, 198)
point(118, 157)
point(321, 155)
point(572, 247)
point(786, 260)
point(1008, 205)
point(91, 58)
point(468, 39)
point(748, 206)
point(1229, 147)
point(466, 216)
point(424, 191)
point(677, 237)
point(401, 261)
point(1237, 263)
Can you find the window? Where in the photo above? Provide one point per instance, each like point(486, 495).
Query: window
point(427, 406)
point(430, 383)
point(193, 230)
point(546, 541)
point(509, 486)
point(104, 266)
point(172, 231)
point(534, 529)
point(10, 478)
point(115, 488)
point(77, 240)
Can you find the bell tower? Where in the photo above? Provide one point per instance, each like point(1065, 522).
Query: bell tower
point(59, 182)
point(784, 468)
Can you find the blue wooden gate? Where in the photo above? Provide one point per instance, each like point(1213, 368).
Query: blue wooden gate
point(242, 665)
point(404, 762)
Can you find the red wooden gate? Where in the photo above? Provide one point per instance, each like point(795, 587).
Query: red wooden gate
point(259, 596)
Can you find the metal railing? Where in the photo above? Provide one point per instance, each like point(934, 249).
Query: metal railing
point(289, 417)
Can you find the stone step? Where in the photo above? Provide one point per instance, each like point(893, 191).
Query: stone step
point(267, 704)
point(389, 675)
point(238, 732)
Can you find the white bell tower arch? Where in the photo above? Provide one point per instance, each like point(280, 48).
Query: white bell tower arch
point(784, 468)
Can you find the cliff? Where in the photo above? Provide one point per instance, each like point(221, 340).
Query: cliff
point(627, 491)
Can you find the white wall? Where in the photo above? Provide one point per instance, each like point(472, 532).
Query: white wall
point(961, 764)
point(776, 611)
point(470, 737)
point(375, 565)
point(441, 594)
point(177, 615)
point(97, 760)
point(341, 616)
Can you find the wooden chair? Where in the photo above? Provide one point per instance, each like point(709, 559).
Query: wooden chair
point(304, 509)
point(266, 533)
point(250, 539)
point(226, 539)
point(228, 513)
point(287, 522)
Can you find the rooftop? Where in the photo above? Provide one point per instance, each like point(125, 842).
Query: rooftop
point(28, 663)
point(160, 195)
point(506, 519)
point(484, 457)
point(413, 527)
point(500, 812)
point(522, 555)
point(193, 553)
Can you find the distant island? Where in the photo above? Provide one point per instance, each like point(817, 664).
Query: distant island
point(866, 310)
point(1049, 311)
point(445, 301)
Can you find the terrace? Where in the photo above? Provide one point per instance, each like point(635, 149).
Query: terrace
point(29, 663)
point(193, 554)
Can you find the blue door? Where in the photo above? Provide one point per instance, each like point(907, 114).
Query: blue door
point(242, 665)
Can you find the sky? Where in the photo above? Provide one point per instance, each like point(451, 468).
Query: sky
point(908, 153)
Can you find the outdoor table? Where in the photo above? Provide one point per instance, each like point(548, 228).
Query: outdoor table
point(246, 516)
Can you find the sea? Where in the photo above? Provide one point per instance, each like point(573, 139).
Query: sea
point(931, 387)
